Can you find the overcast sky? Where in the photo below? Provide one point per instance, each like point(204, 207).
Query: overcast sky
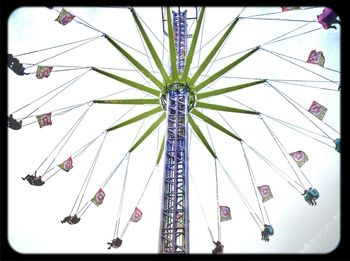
point(35, 212)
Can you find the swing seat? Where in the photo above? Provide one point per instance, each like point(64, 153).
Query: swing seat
point(269, 230)
point(314, 193)
point(37, 183)
point(73, 220)
point(307, 197)
point(116, 242)
point(311, 194)
point(337, 144)
point(15, 65)
point(327, 18)
point(13, 124)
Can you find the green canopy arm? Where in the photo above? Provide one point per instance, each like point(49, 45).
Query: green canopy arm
point(139, 66)
point(137, 118)
point(212, 53)
point(223, 108)
point(173, 55)
point(193, 46)
point(214, 124)
point(150, 47)
point(223, 71)
point(161, 150)
point(227, 89)
point(133, 84)
point(148, 132)
point(129, 101)
point(201, 136)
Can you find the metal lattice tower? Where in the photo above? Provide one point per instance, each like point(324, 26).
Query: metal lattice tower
point(174, 230)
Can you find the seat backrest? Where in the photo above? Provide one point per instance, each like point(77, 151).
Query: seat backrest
point(270, 229)
point(314, 193)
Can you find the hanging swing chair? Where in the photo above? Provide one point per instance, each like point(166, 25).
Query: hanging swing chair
point(117, 242)
point(13, 123)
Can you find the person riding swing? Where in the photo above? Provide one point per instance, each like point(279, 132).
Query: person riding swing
point(219, 248)
point(328, 18)
point(310, 196)
point(13, 123)
point(115, 243)
point(71, 219)
point(34, 180)
point(266, 233)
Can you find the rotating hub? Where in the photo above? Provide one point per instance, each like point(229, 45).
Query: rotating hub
point(178, 86)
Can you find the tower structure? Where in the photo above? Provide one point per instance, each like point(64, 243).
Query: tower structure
point(174, 227)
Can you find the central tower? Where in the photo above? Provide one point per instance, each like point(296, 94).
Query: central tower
point(174, 220)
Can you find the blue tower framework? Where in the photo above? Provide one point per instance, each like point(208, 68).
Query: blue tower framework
point(174, 227)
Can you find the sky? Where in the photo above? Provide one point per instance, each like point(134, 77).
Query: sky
point(34, 213)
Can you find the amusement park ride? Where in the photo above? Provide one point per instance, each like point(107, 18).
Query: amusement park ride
point(179, 95)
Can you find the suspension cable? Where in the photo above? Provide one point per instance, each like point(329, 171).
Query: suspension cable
point(202, 208)
point(230, 55)
point(84, 23)
point(267, 161)
point(197, 194)
point(216, 188)
point(138, 71)
point(50, 99)
point(287, 124)
point(82, 187)
point(64, 52)
point(82, 149)
point(115, 169)
point(52, 174)
point(306, 177)
point(211, 65)
point(301, 85)
point(244, 200)
point(299, 60)
point(72, 128)
point(66, 70)
point(286, 97)
point(240, 195)
point(286, 38)
point(213, 36)
point(279, 19)
point(92, 167)
point(72, 80)
point(267, 216)
point(138, 202)
point(280, 146)
point(293, 127)
point(128, 46)
point(279, 12)
point(52, 47)
point(151, 31)
point(239, 15)
point(60, 112)
point(84, 208)
point(144, 47)
point(217, 202)
point(77, 153)
point(252, 178)
point(116, 230)
point(268, 42)
point(281, 57)
point(275, 168)
point(271, 13)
